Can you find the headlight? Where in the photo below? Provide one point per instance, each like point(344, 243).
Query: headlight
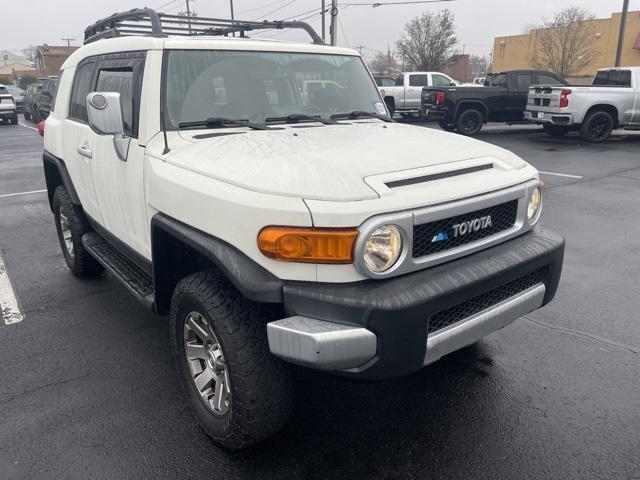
point(382, 248)
point(535, 205)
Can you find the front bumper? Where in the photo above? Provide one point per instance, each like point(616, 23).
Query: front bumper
point(563, 119)
point(378, 329)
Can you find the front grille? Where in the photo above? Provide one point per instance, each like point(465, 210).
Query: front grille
point(477, 304)
point(434, 237)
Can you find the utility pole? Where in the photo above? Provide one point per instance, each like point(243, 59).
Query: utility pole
point(231, 4)
point(324, 22)
point(333, 30)
point(68, 40)
point(623, 24)
point(188, 16)
point(360, 48)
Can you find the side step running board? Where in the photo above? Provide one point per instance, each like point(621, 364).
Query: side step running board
point(136, 280)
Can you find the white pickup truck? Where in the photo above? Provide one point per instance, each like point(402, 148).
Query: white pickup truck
point(405, 97)
point(611, 101)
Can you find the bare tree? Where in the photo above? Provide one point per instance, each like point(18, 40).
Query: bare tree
point(384, 63)
point(428, 41)
point(565, 42)
point(30, 53)
point(479, 65)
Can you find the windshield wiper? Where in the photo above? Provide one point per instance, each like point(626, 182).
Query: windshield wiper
point(217, 122)
point(297, 117)
point(361, 113)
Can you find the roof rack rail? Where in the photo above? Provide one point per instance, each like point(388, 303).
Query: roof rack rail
point(148, 22)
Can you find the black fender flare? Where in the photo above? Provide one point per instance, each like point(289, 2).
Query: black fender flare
point(56, 173)
point(253, 281)
point(462, 105)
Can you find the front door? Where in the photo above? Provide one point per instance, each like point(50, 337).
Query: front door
point(119, 184)
point(518, 94)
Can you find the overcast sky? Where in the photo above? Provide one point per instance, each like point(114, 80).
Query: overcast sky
point(477, 21)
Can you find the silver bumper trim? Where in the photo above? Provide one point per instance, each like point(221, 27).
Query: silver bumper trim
point(321, 344)
point(477, 326)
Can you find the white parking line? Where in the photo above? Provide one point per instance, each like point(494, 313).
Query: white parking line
point(21, 193)
point(9, 308)
point(27, 126)
point(560, 174)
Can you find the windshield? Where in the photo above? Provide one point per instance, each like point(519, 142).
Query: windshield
point(254, 86)
point(16, 91)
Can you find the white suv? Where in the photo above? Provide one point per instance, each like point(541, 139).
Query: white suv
point(257, 193)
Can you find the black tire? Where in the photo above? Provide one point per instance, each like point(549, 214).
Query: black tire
point(79, 261)
point(36, 115)
point(261, 389)
point(27, 115)
point(444, 125)
point(470, 122)
point(555, 131)
point(14, 119)
point(597, 126)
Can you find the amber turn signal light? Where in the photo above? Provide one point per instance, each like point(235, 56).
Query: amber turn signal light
point(312, 245)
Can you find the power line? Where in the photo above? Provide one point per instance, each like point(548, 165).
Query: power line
point(278, 9)
point(261, 7)
point(381, 4)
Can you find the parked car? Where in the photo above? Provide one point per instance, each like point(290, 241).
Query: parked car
point(283, 229)
point(29, 94)
point(18, 97)
point(611, 101)
point(405, 96)
point(7, 107)
point(38, 98)
point(502, 99)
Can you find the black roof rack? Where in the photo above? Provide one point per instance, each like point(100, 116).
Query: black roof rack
point(148, 22)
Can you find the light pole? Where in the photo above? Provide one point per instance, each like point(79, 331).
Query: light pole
point(623, 24)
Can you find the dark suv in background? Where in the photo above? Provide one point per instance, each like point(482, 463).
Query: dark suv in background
point(38, 99)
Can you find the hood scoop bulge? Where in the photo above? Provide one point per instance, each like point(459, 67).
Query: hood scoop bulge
point(438, 176)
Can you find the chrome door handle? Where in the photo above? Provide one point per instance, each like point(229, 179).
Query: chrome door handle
point(85, 151)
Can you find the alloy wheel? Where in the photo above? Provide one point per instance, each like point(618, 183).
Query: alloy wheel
point(66, 233)
point(599, 126)
point(206, 363)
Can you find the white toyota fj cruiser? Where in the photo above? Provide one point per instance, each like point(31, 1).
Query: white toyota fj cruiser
point(257, 192)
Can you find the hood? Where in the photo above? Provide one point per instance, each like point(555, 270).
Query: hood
point(325, 162)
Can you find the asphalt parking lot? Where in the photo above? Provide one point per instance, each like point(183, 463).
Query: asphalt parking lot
point(88, 387)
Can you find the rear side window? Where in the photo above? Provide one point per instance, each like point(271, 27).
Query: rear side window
point(54, 94)
point(614, 78)
point(523, 81)
point(82, 86)
point(418, 80)
point(544, 79)
point(119, 80)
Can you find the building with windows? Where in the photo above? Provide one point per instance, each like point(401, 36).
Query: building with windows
point(516, 51)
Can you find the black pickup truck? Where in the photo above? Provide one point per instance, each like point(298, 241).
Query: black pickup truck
point(503, 98)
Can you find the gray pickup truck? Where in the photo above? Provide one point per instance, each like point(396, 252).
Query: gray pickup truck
point(8, 111)
point(611, 101)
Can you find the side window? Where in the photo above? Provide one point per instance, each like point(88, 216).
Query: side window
point(624, 78)
point(418, 80)
point(400, 81)
point(54, 94)
point(440, 80)
point(119, 80)
point(544, 79)
point(82, 86)
point(523, 81)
